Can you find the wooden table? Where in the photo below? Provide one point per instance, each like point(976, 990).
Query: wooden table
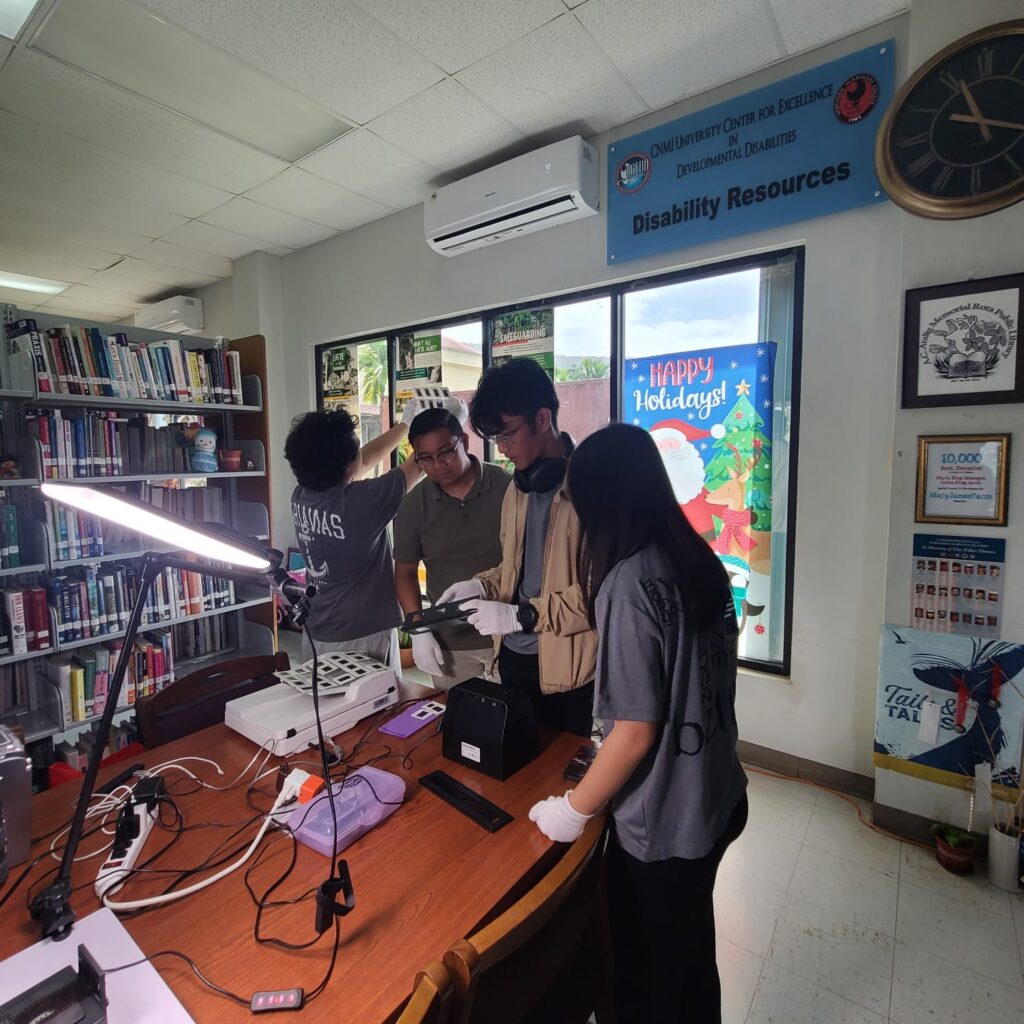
point(423, 878)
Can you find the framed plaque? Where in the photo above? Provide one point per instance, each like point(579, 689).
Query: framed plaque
point(962, 479)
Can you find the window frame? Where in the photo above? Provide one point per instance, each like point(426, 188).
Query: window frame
point(616, 292)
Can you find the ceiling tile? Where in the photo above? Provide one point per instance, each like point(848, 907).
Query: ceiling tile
point(555, 82)
point(372, 167)
point(129, 289)
point(808, 23)
point(40, 183)
point(219, 242)
point(143, 270)
point(667, 56)
point(19, 297)
point(23, 238)
point(97, 298)
point(305, 195)
point(184, 259)
point(100, 170)
point(250, 218)
point(83, 311)
point(5, 48)
point(36, 266)
point(130, 46)
point(330, 50)
point(448, 127)
point(19, 212)
point(62, 97)
point(457, 33)
point(573, 3)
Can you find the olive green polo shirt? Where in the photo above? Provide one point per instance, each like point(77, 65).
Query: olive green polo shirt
point(454, 539)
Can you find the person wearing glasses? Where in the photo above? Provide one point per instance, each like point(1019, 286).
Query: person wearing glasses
point(341, 523)
point(451, 523)
point(531, 603)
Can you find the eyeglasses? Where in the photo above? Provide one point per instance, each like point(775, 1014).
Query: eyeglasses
point(502, 440)
point(443, 457)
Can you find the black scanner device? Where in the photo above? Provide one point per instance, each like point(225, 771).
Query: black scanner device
point(490, 728)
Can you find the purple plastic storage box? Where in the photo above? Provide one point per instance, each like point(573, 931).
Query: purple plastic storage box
point(361, 801)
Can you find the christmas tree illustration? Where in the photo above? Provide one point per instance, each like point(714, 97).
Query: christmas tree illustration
point(741, 432)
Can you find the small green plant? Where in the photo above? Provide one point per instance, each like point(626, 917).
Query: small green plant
point(953, 836)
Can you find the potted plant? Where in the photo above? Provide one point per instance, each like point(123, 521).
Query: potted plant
point(405, 649)
point(954, 848)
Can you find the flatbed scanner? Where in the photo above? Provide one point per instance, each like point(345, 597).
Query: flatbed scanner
point(280, 717)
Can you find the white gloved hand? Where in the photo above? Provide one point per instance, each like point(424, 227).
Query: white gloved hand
point(412, 409)
point(457, 407)
point(427, 654)
point(460, 591)
point(558, 819)
point(493, 618)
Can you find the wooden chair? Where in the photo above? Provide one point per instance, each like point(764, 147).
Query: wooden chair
point(544, 960)
point(431, 997)
point(197, 700)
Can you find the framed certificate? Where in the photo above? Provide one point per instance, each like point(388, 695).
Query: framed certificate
point(962, 479)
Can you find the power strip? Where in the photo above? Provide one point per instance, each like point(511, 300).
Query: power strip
point(134, 824)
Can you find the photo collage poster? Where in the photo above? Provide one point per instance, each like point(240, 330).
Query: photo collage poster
point(957, 584)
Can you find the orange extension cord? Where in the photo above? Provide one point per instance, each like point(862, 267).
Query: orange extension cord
point(843, 796)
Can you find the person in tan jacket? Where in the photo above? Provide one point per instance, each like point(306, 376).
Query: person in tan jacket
point(532, 604)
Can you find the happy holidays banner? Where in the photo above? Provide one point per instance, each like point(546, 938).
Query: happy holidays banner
point(710, 413)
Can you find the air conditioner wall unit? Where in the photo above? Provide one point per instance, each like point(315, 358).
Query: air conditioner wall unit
point(181, 314)
point(550, 186)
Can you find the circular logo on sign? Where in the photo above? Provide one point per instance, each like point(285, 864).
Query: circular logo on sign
point(633, 173)
point(856, 98)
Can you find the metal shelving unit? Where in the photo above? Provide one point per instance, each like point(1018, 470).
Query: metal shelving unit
point(19, 392)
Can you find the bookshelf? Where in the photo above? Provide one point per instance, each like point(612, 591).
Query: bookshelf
point(231, 377)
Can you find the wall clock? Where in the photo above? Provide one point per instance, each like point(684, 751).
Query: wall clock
point(951, 145)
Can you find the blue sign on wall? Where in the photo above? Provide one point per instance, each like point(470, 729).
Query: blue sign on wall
point(793, 150)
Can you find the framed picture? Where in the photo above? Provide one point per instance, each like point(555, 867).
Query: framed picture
point(960, 343)
point(963, 479)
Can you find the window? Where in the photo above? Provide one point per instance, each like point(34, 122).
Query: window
point(707, 360)
point(709, 371)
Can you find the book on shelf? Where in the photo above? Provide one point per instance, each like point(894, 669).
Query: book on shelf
point(83, 677)
point(14, 687)
point(10, 540)
point(79, 360)
point(201, 638)
point(93, 601)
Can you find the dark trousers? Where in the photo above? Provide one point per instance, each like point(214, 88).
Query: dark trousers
point(662, 918)
point(571, 711)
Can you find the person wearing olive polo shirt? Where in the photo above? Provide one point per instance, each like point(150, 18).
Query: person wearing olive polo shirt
point(451, 523)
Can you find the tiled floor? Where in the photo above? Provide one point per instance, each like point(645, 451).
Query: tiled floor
point(822, 921)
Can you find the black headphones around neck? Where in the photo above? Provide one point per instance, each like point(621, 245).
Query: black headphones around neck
point(545, 474)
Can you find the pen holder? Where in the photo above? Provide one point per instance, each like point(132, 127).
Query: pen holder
point(230, 460)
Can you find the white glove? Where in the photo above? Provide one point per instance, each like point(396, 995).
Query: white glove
point(558, 819)
point(493, 618)
point(427, 654)
point(412, 409)
point(460, 591)
point(458, 408)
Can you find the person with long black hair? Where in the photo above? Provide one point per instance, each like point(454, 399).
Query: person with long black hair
point(665, 688)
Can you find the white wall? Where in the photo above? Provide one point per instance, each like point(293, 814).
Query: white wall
point(936, 252)
point(384, 275)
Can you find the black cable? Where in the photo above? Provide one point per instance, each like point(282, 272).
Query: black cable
point(227, 993)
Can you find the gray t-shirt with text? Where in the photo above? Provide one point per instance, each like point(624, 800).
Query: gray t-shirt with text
point(343, 534)
point(678, 801)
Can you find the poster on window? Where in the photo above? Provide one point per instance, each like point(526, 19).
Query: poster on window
point(710, 413)
point(339, 378)
point(419, 365)
point(947, 704)
point(526, 333)
point(957, 584)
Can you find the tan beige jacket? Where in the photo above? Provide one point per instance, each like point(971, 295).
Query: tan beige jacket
point(567, 644)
